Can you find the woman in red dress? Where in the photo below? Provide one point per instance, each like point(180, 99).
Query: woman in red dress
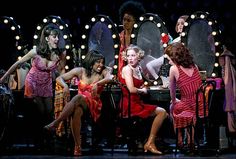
point(132, 78)
point(92, 77)
point(184, 74)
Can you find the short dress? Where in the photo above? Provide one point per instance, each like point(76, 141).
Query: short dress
point(138, 107)
point(38, 82)
point(184, 112)
point(94, 103)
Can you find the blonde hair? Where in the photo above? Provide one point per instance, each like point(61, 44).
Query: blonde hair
point(137, 50)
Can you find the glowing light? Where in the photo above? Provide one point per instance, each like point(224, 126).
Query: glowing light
point(132, 35)
point(83, 36)
point(65, 36)
point(61, 27)
point(38, 27)
point(116, 56)
point(113, 36)
point(13, 28)
point(115, 67)
point(6, 21)
point(68, 57)
point(135, 25)
point(109, 26)
point(86, 26)
point(82, 46)
point(158, 25)
point(151, 18)
point(54, 20)
point(45, 20)
point(17, 37)
point(141, 18)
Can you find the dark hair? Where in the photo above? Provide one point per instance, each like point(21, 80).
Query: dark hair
point(184, 17)
point(133, 8)
point(179, 54)
point(91, 57)
point(43, 48)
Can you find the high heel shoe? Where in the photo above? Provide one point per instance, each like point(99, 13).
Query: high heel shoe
point(77, 151)
point(50, 127)
point(152, 148)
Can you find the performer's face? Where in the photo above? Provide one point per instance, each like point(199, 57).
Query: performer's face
point(128, 22)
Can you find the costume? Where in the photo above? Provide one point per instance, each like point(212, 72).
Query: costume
point(184, 111)
point(38, 81)
point(229, 77)
point(94, 103)
point(138, 108)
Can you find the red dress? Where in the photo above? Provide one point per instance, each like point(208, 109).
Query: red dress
point(94, 103)
point(138, 108)
point(184, 111)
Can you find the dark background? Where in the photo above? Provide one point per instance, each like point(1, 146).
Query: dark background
point(76, 13)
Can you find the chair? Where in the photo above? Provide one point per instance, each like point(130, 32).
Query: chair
point(132, 128)
point(206, 90)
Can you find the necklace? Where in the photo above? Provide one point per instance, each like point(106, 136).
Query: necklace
point(136, 72)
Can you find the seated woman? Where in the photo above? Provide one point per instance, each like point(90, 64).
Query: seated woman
point(184, 74)
point(92, 77)
point(132, 78)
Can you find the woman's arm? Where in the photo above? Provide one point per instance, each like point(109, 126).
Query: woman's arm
point(61, 80)
point(154, 65)
point(25, 58)
point(172, 84)
point(107, 74)
point(127, 74)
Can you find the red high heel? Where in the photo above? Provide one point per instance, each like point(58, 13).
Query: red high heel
point(77, 151)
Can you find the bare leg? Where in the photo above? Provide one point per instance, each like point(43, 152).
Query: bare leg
point(76, 126)
point(68, 110)
point(157, 122)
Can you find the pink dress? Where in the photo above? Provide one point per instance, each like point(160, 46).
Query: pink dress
point(38, 82)
point(184, 111)
point(138, 107)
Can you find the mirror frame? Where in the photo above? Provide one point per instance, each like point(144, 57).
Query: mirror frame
point(215, 32)
point(16, 29)
point(115, 36)
point(66, 35)
point(160, 24)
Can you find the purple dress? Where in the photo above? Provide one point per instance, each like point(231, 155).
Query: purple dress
point(38, 82)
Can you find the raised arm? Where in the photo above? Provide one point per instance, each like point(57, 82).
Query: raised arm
point(25, 58)
point(108, 77)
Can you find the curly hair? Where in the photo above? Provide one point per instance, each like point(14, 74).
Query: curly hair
point(133, 8)
point(180, 54)
point(136, 48)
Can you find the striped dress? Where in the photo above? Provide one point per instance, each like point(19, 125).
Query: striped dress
point(184, 111)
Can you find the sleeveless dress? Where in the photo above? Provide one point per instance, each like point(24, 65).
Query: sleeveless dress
point(38, 82)
point(138, 107)
point(184, 111)
point(94, 103)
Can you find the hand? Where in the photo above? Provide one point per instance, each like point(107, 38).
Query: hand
point(66, 93)
point(142, 90)
point(94, 90)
